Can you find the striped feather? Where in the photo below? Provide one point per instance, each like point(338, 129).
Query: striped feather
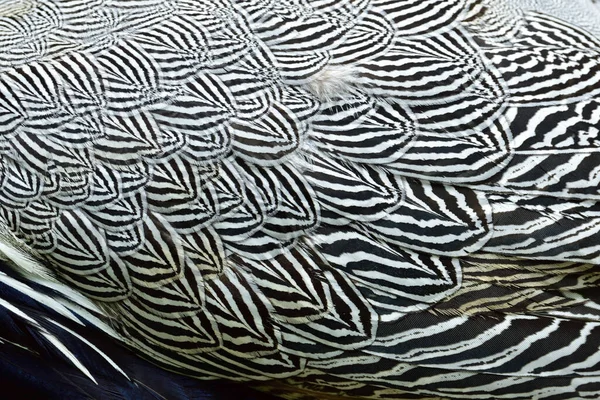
point(323, 198)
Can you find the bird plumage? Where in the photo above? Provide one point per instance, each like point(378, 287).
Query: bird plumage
point(364, 198)
point(53, 346)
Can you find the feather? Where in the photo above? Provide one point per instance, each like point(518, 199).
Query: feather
point(356, 198)
point(45, 354)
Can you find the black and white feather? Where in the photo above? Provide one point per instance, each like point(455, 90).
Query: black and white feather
point(364, 198)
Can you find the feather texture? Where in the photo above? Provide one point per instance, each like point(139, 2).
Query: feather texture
point(53, 346)
point(367, 198)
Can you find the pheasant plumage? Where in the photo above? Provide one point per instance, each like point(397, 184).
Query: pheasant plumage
point(365, 198)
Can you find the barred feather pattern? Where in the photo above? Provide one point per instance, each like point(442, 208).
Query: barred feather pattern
point(365, 198)
point(54, 344)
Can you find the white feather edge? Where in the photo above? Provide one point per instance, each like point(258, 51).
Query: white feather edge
point(70, 304)
point(63, 349)
point(11, 249)
point(51, 338)
point(97, 350)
